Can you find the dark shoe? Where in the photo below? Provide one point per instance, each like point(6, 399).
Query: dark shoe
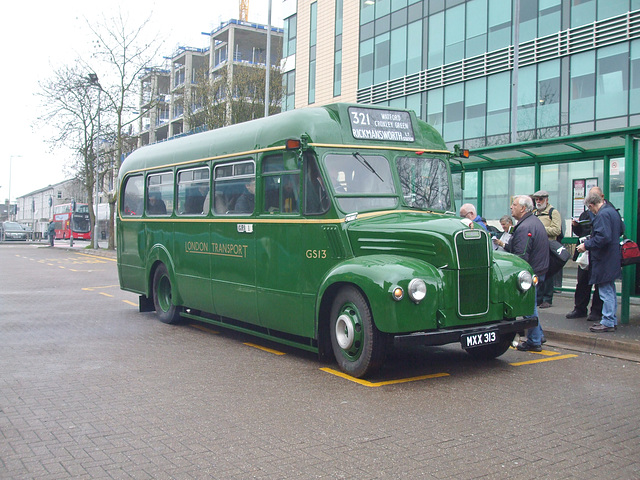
point(527, 347)
point(594, 318)
point(544, 305)
point(599, 328)
point(615, 327)
point(576, 314)
point(543, 341)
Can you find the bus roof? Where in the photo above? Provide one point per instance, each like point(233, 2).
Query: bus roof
point(328, 124)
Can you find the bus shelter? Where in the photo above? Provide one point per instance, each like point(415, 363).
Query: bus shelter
point(566, 167)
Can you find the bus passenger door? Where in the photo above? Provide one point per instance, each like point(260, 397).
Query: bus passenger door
point(232, 241)
point(282, 302)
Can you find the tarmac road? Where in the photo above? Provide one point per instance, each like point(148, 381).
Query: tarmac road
point(90, 388)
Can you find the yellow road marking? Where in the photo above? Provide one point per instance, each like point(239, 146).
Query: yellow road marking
point(540, 360)
point(367, 383)
point(105, 294)
point(97, 256)
point(130, 303)
point(270, 350)
point(548, 353)
point(91, 289)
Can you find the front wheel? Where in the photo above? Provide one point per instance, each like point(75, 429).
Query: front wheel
point(167, 312)
point(489, 352)
point(359, 347)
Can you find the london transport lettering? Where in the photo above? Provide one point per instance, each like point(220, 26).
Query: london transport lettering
point(213, 248)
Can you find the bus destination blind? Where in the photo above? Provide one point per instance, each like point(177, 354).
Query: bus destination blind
point(372, 124)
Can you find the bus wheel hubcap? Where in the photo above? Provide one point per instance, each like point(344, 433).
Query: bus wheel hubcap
point(344, 332)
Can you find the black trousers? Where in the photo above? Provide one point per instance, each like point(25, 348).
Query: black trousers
point(583, 294)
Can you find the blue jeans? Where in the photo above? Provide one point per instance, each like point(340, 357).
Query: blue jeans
point(534, 335)
point(609, 303)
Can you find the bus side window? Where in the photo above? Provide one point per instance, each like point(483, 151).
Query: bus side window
point(193, 190)
point(132, 196)
point(316, 197)
point(160, 194)
point(234, 188)
point(281, 183)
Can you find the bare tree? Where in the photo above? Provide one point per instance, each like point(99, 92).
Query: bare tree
point(71, 107)
point(126, 53)
point(226, 98)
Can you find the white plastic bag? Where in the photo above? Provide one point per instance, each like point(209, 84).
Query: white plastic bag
point(583, 260)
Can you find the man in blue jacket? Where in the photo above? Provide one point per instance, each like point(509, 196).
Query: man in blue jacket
point(604, 258)
point(531, 243)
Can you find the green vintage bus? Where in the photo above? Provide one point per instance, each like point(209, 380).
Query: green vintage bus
point(329, 228)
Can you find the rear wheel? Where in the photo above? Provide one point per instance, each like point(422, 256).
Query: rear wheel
point(359, 347)
point(167, 312)
point(489, 352)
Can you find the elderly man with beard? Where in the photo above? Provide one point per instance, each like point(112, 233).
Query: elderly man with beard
point(604, 257)
point(552, 222)
point(530, 242)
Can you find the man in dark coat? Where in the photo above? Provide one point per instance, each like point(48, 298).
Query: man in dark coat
point(604, 258)
point(531, 243)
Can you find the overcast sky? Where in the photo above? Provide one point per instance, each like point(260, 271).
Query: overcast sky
point(39, 37)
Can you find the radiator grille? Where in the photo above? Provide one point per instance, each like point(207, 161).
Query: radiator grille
point(472, 250)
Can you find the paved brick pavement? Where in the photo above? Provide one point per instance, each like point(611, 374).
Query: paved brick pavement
point(90, 388)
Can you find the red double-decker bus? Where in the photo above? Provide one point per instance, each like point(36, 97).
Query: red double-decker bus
point(69, 223)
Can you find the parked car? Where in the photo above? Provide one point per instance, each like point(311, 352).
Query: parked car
point(14, 231)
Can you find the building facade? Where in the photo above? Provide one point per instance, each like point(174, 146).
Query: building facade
point(171, 103)
point(35, 209)
point(545, 93)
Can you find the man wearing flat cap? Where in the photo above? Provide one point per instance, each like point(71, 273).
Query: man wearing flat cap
point(550, 218)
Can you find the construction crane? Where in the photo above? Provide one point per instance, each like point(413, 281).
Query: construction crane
point(244, 10)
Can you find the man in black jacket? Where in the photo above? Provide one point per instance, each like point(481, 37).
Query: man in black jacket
point(531, 243)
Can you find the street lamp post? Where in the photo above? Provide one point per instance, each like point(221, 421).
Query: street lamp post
point(93, 80)
point(10, 166)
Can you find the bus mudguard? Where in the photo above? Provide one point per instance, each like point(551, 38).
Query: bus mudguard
point(158, 253)
point(377, 276)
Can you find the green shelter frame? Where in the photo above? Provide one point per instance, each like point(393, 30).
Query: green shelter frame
point(620, 143)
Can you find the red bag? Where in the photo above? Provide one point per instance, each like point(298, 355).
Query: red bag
point(630, 253)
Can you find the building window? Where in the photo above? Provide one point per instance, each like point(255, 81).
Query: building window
point(583, 87)
point(436, 40)
point(453, 112)
point(634, 94)
point(454, 34)
point(527, 93)
point(289, 100)
point(548, 94)
point(612, 81)
point(499, 24)
point(583, 12)
point(365, 75)
point(289, 37)
point(549, 17)
point(498, 103)
point(475, 109)
point(476, 28)
point(313, 19)
point(434, 109)
point(337, 55)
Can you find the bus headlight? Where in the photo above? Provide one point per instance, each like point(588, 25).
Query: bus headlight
point(417, 290)
point(525, 281)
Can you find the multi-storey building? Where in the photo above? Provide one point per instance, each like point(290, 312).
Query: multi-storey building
point(35, 209)
point(169, 100)
point(545, 93)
